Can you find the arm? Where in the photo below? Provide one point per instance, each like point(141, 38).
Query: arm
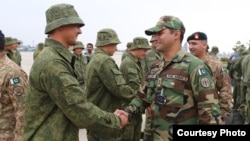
point(225, 90)
point(66, 93)
point(17, 88)
point(205, 95)
point(112, 78)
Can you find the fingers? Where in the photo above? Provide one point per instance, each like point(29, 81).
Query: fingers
point(123, 117)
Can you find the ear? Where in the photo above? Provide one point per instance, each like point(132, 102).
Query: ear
point(177, 34)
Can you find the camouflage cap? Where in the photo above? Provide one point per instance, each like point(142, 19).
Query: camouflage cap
point(140, 43)
point(129, 44)
point(9, 41)
point(17, 41)
point(166, 21)
point(106, 36)
point(215, 48)
point(78, 44)
point(61, 14)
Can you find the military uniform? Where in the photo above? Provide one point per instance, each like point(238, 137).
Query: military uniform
point(133, 73)
point(14, 55)
point(38, 50)
point(80, 65)
point(13, 84)
point(57, 106)
point(222, 83)
point(246, 82)
point(106, 87)
point(179, 91)
point(151, 57)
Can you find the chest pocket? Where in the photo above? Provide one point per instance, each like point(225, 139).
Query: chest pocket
point(173, 90)
point(118, 77)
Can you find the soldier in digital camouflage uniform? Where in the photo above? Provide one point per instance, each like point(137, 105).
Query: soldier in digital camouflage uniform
point(57, 106)
point(198, 47)
point(179, 89)
point(235, 73)
point(133, 73)
point(126, 52)
point(214, 51)
point(246, 82)
point(152, 54)
point(106, 87)
point(13, 84)
point(11, 45)
point(38, 50)
point(80, 63)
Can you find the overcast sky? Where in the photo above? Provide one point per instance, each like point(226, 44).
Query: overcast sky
point(224, 21)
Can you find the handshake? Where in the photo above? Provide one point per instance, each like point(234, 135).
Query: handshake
point(124, 117)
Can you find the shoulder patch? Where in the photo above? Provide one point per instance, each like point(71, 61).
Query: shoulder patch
point(205, 82)
point(18, 91)
point(14, 80)
point(202, 71)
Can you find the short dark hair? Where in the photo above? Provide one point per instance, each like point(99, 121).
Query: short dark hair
point(2, 41)
point(90, 44)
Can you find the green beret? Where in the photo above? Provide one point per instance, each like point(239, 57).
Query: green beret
point(197, 36)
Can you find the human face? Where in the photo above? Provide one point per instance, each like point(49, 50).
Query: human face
point(70, 33)
point(139, 53)
point(165, 39)
point(89, 48)
point(111, 49)
point(197, 47)
point(153, 42)
point(78, 51)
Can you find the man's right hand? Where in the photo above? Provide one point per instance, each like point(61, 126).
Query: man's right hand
point(123, 117)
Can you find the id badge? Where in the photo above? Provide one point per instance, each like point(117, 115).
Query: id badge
point(161, 99)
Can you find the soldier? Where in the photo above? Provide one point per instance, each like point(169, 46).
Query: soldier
point(13, 84)
point(179, 88)
point(198, 47)
point(11, 50)
point(38, 50)
point(106, 87)
point(57, 106)
point(152, 54)
point(126, 52)
point(89, 52)
point(133, 73)
point(214, 51)
point(80, 63)
point(246, 81)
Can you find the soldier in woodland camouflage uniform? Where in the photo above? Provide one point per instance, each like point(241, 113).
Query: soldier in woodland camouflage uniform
point(106, 87)
point(11, 45)
point(126, 52)
point(13, 84)
point(57, 106)
point(198, 47)
point(133, 72)
point(80, 63)
point(179, 88)
point(38, 50)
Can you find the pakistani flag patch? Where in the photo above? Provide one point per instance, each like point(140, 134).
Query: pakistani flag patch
point(202, 71)
point(14, 80)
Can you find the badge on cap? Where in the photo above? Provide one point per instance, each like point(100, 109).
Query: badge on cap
point(205, 82)
point(14, 80)
point(196, 36)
